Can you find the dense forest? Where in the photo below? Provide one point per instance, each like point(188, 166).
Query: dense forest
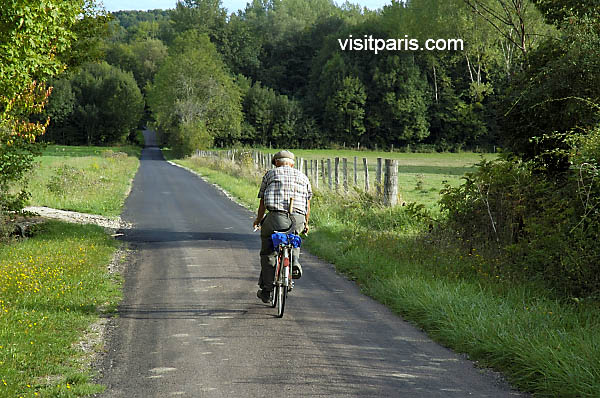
point(275, 74)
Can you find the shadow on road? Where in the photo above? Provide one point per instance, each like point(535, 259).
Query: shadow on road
point(134, 235)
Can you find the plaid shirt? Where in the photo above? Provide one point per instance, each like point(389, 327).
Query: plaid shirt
point(282, 183)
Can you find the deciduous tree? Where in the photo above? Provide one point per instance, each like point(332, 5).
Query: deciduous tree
point(35, 38)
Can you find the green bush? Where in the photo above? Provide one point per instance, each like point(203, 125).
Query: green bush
point(543, 228)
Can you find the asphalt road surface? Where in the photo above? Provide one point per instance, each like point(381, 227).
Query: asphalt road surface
point(190, 324)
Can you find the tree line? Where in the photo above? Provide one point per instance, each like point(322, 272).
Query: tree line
point(274, 74)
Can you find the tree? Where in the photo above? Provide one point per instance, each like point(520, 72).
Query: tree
point(241, 47)
point(109, 104)
point(141, 57)
point(558, 93)
point(204, 16)
point(35, 38)
point(59, 110)
point(105, 106)
point(556, 11)
point(345, 111)
point(510, 18)
point(258, 113)
point(193, 96)
point(399, 110)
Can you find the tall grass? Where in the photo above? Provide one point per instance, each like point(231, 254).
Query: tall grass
point(86, 179)
point(542, 345)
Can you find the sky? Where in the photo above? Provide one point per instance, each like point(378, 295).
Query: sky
point(230, 5)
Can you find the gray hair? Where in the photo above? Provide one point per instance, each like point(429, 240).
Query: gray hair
point(287, 161)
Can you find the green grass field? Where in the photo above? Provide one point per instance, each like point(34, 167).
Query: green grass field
point(56, 283)
point(52, 286)
point(542, 345)
point(84, 179)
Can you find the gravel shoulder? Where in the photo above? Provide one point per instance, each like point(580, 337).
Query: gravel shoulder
point(79, 218)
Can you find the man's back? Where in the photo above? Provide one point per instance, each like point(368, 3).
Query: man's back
point(281, 184)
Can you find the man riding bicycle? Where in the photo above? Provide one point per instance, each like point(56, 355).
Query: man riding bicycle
point(278, 186)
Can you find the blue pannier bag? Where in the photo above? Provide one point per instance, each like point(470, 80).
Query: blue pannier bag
point(279, 238)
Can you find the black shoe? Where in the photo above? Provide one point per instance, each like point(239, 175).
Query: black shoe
point(296, 271)
point(264, 295)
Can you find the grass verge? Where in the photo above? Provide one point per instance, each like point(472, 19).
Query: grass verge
point(52, 287)
point(542, 345)
point(91, 180)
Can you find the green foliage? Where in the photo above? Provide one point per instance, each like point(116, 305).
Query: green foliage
point(142, 57)
point(99, 104)
point(33, 34)
point(35, 40)
point(588, 148)
point(556, 11)
point(559, 92)
point(270, 118)
point(402, 98)
point(345, 110)
point(193, 96)
point(204, 16)
point(545, 229)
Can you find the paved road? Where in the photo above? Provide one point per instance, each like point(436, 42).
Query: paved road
point(191, 325)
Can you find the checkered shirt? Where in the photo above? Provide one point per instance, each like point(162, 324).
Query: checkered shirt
point(282, 183)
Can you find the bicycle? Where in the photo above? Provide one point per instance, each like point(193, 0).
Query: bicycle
point(282, 280)
point(283, 242)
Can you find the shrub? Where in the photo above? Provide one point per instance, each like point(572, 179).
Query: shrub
point(544, 229)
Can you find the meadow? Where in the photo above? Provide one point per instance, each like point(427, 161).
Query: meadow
point(92, 180)
point(55, 284)
point(461, 297)
point(421, 176)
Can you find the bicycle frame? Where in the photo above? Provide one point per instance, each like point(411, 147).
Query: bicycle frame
point(282, 280)
point(283, 269)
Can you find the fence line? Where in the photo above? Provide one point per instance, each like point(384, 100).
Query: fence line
point(386, 171)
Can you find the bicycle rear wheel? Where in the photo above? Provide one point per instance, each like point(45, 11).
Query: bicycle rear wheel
point(281, 293)
point(273, 301)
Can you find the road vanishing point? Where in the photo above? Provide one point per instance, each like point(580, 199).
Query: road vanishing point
point(190, 324)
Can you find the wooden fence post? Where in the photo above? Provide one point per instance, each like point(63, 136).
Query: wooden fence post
point(306, 167)
point(337, 174)
point(323, 174)
point(390, 187)
point(378, 173)
point(316, 174)
point(345, 171)
point(329, 173)
point(366, 164)
point(356, 170)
